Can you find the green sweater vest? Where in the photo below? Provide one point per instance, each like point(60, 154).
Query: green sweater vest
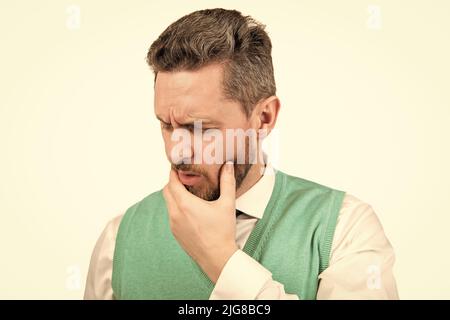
point(292, 240)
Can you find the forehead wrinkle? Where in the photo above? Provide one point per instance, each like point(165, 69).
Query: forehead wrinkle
point(192, 116)
point(178, 114)
point(186, 115)
point(188, 119)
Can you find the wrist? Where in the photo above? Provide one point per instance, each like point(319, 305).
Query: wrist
point(213, 266)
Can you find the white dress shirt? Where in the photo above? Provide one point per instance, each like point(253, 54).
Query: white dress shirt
point(360, 265)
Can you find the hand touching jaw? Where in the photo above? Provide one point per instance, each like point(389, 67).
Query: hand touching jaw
point(206, 230)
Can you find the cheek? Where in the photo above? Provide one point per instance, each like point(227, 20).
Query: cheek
point(212, 172)
point(168, 152)
point(167, 144)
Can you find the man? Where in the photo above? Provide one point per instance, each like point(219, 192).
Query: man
point(234, 227)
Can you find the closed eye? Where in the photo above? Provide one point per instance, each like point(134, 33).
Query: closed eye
point(190, 127)
point(166, 126)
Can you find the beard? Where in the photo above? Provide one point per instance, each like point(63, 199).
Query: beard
point(209, 190)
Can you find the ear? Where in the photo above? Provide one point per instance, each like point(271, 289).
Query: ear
point(266, 113)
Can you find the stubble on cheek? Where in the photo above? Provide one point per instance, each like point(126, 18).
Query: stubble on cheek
point(207, 190)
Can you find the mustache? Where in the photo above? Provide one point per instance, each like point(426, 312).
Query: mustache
point(189, 167)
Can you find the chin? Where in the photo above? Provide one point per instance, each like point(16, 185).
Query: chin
point(208, 195)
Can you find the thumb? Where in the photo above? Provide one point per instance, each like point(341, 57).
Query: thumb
point(228, 182)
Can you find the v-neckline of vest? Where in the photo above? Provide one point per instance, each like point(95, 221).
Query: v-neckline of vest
point(256, 235)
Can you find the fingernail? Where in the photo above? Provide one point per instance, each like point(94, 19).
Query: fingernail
point(229, 166)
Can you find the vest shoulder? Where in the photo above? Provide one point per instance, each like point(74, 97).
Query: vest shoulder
point(293, 182)
point(150, 202)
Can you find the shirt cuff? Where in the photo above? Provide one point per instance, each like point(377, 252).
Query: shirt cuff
point(242, 278)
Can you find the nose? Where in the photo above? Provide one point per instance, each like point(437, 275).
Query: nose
point(180, 148)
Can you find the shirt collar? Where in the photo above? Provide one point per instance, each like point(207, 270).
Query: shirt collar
point(254, 201)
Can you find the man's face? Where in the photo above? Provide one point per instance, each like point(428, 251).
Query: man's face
point(183, 97)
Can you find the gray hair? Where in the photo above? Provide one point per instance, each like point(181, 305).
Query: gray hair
point(223, 36)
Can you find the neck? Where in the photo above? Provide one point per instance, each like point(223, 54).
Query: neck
point(254, 174)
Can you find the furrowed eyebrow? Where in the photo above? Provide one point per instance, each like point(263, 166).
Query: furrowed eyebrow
point(186, 124)
point(160, 119)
